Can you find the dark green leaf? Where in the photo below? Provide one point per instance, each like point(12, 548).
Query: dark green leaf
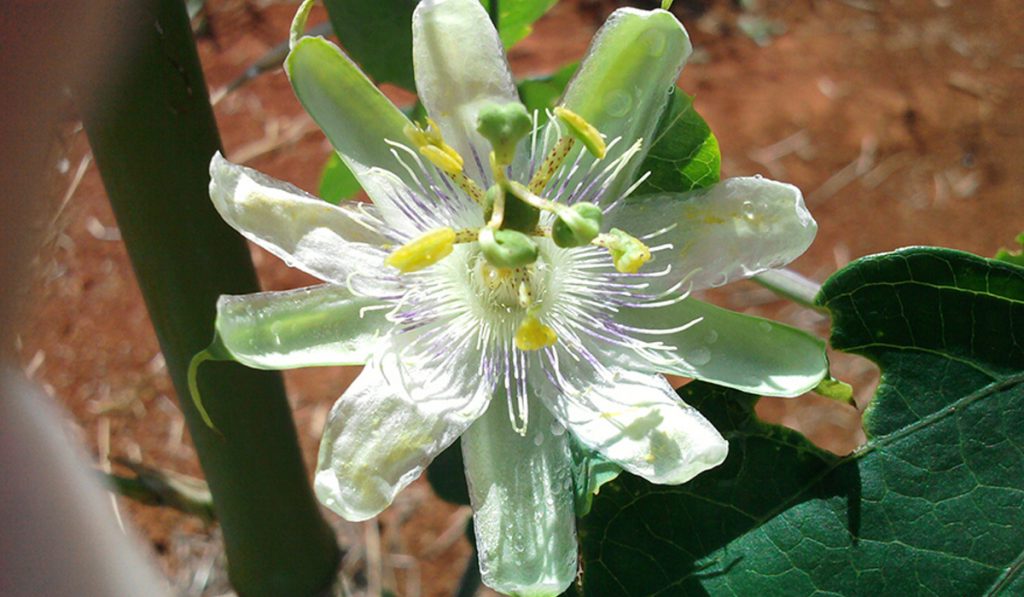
point(337, 182)
point(378, 36)
point(516, 18)
point(448, 477)
point(684, 153)
point(931, 505)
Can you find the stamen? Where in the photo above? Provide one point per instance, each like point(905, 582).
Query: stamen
point(551, 164)
point(432, 146)
point(449, 162)
point(534, 335)
point(582, 130)
point(423, 251)
point(628, 253)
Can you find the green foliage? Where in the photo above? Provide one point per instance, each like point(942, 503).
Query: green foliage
point(337, 182)
point(930, 505)
point(541, 93)
point(447, 475)
point(684, 153)
point(516, 18)
point(378, 36)
point(1010, 256)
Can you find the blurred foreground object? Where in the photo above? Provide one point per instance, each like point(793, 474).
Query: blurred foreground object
point(59, 537)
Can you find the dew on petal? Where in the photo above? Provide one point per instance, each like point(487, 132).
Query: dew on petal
point(699, 356)
point(764, 326)
point(656, 42)
point(618, 103)
point(749, 211)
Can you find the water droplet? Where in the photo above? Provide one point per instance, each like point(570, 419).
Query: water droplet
point(557, 430)
point(656, 42)
point(721, 280)
point(764, 326)
point(699, 356)
point(749, 211)
point(618, 103)
point(711, 337)
point(538, 439)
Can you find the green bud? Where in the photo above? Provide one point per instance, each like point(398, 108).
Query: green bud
point(504, 125)
point(577, 225)
point(507, 248)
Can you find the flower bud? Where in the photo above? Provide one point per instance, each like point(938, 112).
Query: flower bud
point(577, 225)
point(504, 125)
point(507, 248)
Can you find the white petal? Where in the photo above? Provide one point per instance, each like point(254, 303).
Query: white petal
point(622, 84)
point(632, 418)
point(327, 241)
point(732, 230)
point(460, 66)
point(308, 327)
point(380, 436)
point(522, 496)
point(751, 354)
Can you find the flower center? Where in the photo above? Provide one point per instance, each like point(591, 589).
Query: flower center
point(507, 269)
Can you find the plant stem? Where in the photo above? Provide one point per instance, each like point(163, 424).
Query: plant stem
point(791, 285)
point(152, 131)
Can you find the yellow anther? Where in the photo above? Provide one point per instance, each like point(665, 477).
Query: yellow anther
point(534, 335)
point(423, 251)
point(629, 254)
point(630, 262)
point(582, 130)
point(444, 158)
point(432, 146)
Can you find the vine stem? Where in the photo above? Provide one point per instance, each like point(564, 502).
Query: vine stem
point(153, 133)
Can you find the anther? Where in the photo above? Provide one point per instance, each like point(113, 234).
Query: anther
point(534, 335)
point(582, 130)
point(423, 251)
point(628, 253)
point(431, 145)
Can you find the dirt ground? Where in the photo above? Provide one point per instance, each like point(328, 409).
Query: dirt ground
point(898, 119)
